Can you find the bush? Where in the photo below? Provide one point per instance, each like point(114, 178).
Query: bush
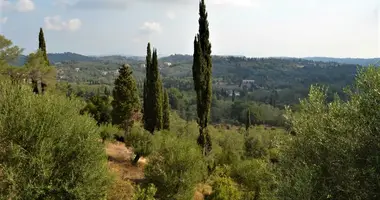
point(223, 187)
point(48, 150)
point(145, 193)
point(256, 177)
point(120, 190)
point(140, 140)
point(254, 147)
point(108, 131)
point(231, 144)
point(175, 167)
point(335, 152)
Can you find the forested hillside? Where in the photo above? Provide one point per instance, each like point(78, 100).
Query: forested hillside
point(237, 81)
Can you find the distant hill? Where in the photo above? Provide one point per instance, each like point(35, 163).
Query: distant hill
point(59, 57)
point(68, 56)
point(354, 61)
point(180, 58)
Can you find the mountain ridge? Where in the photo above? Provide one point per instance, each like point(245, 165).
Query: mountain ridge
point(70, 56)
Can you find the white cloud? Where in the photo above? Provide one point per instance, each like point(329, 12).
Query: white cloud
point(150, 27)
point(25, 5)
point(3, 20)
point(96, 4)
point(4, 4)
point(55, 23)
point(170, 15)
point(242, 3)
point(19, 5)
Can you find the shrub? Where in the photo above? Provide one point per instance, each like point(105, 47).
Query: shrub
point(175, 167)
point(140, 140)
point(108, 131)
point(48, 150)
point(120, 190)
point(232, 149)
point(145, 193)
point(224, 188)
point(254, 147)
point(256, 177)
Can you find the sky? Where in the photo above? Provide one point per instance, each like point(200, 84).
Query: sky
point(253, 28)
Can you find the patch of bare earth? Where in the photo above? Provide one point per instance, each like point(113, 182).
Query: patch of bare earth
point(119, 162)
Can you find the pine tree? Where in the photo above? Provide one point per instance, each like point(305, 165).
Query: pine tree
point(202, 72)
point(42, 45)
point(166, 111)
point(153, 97)
point(125, 98)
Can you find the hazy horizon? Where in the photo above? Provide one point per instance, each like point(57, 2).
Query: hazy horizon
point(251, 28)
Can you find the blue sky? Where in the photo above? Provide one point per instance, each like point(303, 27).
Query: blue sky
point(255, 28)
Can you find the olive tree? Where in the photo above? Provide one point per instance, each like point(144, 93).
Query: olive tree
point(48, 150)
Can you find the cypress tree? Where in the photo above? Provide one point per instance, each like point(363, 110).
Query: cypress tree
point(166, 111)
point(202, 72)
point(42, 45)
point(153, 97)
point(273, 98)
point(146, 100)
point(125, 97)
point(248, 120)
point(157, 94)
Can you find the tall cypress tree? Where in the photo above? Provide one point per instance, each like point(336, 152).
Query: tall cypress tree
point(166, 111)
point(248, 120)
point(153, 112)
point(202, 72)
point(146, 100)
point(125, 98)
point(42, 45)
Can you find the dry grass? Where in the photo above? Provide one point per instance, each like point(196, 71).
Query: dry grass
point(126, 174)
point(119, 161)
point(202, 190)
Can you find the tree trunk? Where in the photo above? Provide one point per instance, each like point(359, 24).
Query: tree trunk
point(136, 159)
point(257, 193)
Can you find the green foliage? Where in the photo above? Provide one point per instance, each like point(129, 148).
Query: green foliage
point(42, 46)
point(145, 193)
point(248, 120)
point(153, 94)
point(8, 51)
point(231, 147)
point(108, 131)
point(175, 167)
point(41, 75)
point(202, 77)
point(140, 140)
point(100, 108)
point(256, 177)
point(224, 188)
point(166, 113)
point(48, 150)
point(336, 149)
point(125, 98)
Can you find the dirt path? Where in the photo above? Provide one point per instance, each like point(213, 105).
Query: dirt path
point(119, 161)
